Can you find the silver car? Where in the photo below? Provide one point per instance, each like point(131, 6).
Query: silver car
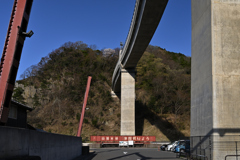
point(170, 146)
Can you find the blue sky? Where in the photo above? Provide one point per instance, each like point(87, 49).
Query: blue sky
point(104, 23)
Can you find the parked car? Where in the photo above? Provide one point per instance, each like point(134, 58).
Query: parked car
point(170, 146)
point(164, 147)
point(184, 147)
point(180, 142)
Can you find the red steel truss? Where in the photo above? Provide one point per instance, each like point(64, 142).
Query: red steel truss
point(12, 53)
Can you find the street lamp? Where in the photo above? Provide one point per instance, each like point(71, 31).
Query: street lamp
point(121, 44)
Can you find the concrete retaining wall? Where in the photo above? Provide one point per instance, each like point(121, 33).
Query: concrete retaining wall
point(95, 145)
point(22, 142)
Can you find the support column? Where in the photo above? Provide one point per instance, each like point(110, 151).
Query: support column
point(127, 102)
point(215, 78)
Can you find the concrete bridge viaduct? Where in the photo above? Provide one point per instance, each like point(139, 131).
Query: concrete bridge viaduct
point(215, 77)
point(146, 17)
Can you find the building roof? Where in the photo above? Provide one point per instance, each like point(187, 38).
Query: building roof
point(21, 105)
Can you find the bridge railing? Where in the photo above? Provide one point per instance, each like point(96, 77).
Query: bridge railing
point(129, 41)
point(128, 37)
point(133, 29)
point(215, 146)
point(116, 72)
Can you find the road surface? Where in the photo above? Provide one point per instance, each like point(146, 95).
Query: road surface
point(131, 154)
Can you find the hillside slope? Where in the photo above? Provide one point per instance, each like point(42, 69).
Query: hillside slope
point(55, 88)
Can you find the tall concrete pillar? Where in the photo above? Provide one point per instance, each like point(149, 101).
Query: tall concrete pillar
point(127, 102)
point(215, 78)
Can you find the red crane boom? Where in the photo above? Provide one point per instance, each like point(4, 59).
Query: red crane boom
point(12, 51)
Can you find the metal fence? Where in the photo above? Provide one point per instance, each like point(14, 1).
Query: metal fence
point(214, 147)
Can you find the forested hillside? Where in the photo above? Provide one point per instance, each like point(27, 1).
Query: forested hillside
point(163, 92)
point(55, 88)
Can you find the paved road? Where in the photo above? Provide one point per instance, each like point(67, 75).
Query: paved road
point(132, 154)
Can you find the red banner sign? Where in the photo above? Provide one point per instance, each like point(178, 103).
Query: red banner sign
point(123, 138)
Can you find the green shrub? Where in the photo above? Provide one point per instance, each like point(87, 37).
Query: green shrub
point(85, 120)
point(36, 100)
point(17, 95)
point(39, 126)
point(71, 131)
point(95, 122)
point(64, 123)
point(78, 116)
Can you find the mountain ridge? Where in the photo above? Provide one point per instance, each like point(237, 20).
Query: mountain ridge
point(55, 88)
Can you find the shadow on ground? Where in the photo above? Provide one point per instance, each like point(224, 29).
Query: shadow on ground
point(142, 154)
point(142, 112)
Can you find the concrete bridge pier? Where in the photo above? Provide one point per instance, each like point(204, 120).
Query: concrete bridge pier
point(215, 78)
point(127, 102)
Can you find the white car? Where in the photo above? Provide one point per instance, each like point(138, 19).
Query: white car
point(170, 146)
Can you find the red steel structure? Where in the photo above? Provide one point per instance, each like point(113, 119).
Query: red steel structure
point(12, 53)
point(84, 107)
point(116, 139)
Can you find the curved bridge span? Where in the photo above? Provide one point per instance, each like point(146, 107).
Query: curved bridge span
point(146, 17)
